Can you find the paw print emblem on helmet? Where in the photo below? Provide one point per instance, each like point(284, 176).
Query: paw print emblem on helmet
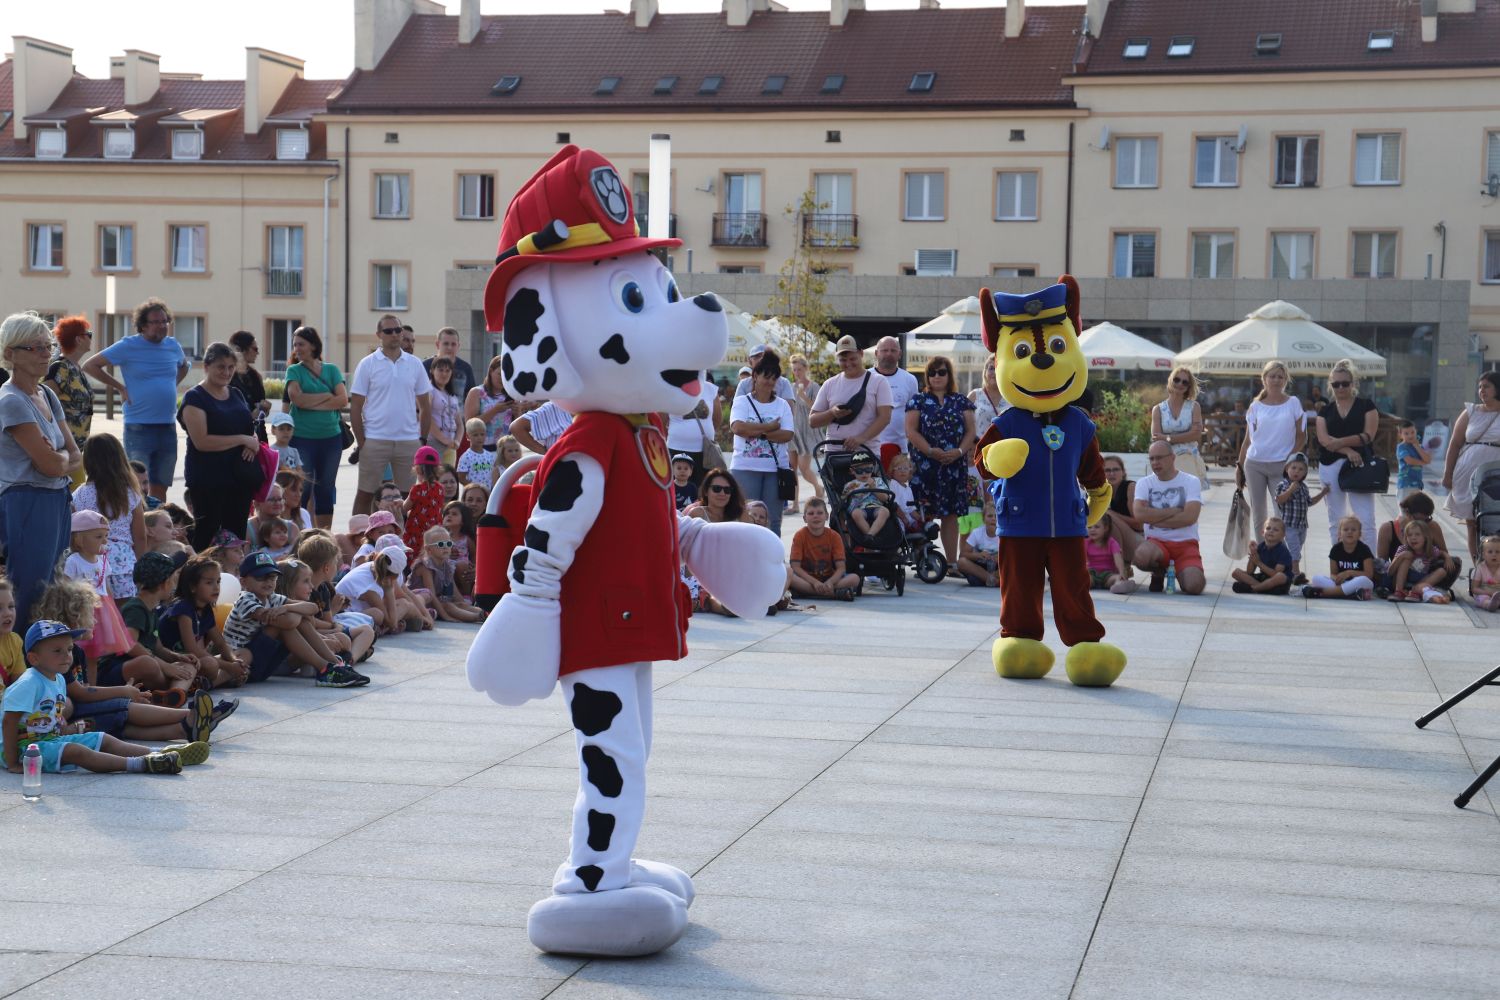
point(611, 193)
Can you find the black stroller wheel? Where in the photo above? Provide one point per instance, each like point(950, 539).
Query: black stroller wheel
point(932, 566)
point(900, 581)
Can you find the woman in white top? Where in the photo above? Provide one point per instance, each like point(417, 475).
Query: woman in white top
point(762, 423)
point(988, 403)
point(686, 432)
point(1275, 427)
point(1475, 441)
point(1178, 420)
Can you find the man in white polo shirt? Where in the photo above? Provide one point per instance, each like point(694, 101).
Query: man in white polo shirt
point(892, 440)
point(387, 427)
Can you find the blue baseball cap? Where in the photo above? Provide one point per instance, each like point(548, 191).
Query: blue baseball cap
point(259, 564)
point(47, 629)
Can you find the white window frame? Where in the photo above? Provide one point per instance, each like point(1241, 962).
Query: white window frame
point(51, 143)
point(474, 202)
point(1129, 237)
point(1378, 241)
point(124, 248)
point(292, 143)
point(1378, 142)
point(45, 240)
point(279, 332)
point(1304, 142)
point(393, 196)
point(839, 186)
point(1018, 209)
point(119, 143)
point(1491, 155)
point(286, 250)
point(1217, 240)
point(1225, 160)
point(187, 144)
point(1294, 264)
point(188, 331)
point(1130, 150)
point(928, 180)
point(187, 249)
point(1013, 271)
point(1491, 262)
point(393, 281)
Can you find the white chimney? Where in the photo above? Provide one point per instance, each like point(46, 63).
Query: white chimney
point(469, 23)
point(1095, 12)
point(928, 5)
point(39, 72)
point(1015, 17)
point(142, 74)
point(642, 12)
point(267, 75)
point(838, 11)
point(737, 12)
point(378, 22)
point(1455, 6)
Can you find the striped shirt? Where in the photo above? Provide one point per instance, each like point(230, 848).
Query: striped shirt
point(548, 422)
point(239, 627)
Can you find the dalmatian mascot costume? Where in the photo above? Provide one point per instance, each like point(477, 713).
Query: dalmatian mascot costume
point(595, 585)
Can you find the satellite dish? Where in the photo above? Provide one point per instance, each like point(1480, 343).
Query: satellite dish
point(1239, 144)
point(1104, 137)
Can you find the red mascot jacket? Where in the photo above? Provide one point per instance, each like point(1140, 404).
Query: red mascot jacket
point(623, 599)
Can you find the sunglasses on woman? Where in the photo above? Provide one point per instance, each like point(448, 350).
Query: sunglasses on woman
point(1181, 381)
point(940, 371)
point(717, 488)
point(1341, 385)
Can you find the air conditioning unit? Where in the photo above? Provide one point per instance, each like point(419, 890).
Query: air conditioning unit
point(937, 263)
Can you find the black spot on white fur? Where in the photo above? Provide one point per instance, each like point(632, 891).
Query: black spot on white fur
point(518, 566)
point(546, 349)
point(524, 383)
point(508, 367)
point(537, 539)
point(614, 350)
point(601, 828)
point(590, 875)
point(593, 711)
point(521, 315)
point(603, 773)
point(564, 487)
point(549, 379)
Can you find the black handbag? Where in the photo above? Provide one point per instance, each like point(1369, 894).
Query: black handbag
point(1374, 476)
point(786, 479)
point(854, 404)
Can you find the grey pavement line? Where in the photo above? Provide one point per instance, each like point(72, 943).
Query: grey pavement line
point(1146, 791)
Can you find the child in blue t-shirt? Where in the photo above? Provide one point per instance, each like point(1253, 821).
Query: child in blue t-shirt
point(1269, 570)
point(1410, 458)
point(36, 705)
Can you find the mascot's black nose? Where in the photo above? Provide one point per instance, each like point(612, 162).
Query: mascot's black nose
point(1042, 361)
point(707, 301)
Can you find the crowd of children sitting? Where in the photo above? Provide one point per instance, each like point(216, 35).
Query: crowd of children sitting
point(136, 629)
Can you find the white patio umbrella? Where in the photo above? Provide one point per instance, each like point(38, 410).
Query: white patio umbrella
point(1112, 348)
point(961, 319)
point(1281, 331)
point(953, 333)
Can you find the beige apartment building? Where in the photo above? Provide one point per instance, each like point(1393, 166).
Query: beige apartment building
point(1189, 160)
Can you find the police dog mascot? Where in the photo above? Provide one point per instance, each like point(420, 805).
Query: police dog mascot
point(591, 319)
point(1049, 484)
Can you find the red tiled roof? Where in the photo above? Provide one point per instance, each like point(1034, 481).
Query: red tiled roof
point(225, 138)
point(561, 58)
point(1316, 35)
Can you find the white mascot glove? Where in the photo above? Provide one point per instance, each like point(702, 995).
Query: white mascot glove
point(742, 565)
point(516, 656)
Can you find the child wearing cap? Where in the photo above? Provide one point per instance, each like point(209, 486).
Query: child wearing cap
point(168, 676)
point(380, 524)
point(371, 586)
point(424, 502)
point(35, 712)
point(188, 625)
point(90, 563)
point(423, 605)
point(353, 537)
point(111, 491)
point(282, 429)
point(477, 465)
point(684, 492)
point(264, 628)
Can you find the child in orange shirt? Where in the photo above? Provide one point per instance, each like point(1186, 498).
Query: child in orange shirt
point(818, 557)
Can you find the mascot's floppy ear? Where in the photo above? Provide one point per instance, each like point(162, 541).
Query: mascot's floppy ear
point(1071, 283)
point(535, 364)
point(991, 319)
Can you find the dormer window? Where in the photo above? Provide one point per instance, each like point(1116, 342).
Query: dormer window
point(607, 86)
point(291, 144)
point(51, 144)
point(664, 86)
point(1136, 48)
point(921, 83)
point(119, 143)
point(187, 144)
point(505, 86)
point(774, 86)
point(1180, 47)
point(1381, 41)
point(1268, 43)
point(833, 83)
point(711, 85)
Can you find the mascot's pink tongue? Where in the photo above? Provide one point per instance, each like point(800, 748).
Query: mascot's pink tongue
point(692, 388)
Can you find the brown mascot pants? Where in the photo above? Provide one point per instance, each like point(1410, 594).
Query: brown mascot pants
point(1023, 563)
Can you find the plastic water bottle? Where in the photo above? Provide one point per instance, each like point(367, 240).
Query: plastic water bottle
point(31, 773)
point(1172, 577)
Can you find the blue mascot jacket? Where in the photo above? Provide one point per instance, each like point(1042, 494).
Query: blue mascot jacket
point(1044, 499)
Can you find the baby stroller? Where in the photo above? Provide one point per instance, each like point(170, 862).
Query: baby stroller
point(888, 553)
point(1486, 505)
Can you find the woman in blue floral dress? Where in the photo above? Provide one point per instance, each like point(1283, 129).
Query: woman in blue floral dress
point(940, 432)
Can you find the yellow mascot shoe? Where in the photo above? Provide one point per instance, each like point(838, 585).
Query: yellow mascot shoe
point(1022, 659)
point(1095, 664)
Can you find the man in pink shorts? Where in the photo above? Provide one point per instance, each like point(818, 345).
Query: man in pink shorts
point(1168, 503)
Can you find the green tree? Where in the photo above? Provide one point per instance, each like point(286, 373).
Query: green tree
point(803, 320)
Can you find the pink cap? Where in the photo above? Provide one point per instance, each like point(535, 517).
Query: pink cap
point(390, 542)
point(427, 455)
point(381, 519)
point(359, 523)
point(87, 520)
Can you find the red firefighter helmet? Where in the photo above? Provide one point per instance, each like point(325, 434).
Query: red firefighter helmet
point(574, 209)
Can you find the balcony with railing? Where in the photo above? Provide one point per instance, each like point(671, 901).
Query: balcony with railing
point(642, 221)
point(830, 232)
point(740, 229)
point(283, 281)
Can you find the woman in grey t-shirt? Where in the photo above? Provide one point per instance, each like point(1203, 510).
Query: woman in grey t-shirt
point(37, 453)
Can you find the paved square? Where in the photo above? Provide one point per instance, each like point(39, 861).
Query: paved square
point(867, 809)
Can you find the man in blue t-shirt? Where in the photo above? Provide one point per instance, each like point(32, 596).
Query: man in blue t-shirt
point(153, 364)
